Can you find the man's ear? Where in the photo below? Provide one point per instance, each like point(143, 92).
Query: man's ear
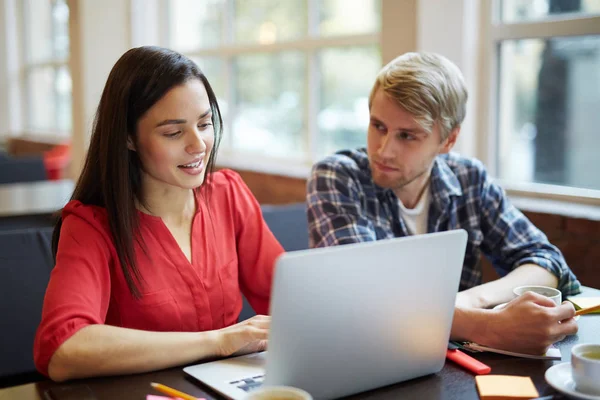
point(450, 141)
point(130, 144)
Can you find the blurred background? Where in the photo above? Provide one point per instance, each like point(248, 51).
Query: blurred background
point(293, 77)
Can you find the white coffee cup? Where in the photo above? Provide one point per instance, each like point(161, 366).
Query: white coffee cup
point(278, 393)
point(551, 293)
point(585, 368)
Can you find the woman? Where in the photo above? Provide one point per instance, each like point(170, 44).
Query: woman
point(154, 248)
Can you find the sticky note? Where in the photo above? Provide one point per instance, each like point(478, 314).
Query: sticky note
point(505, 387)
point(585, 302)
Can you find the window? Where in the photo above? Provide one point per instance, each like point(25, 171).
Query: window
point(47, 79)
point(547, 97)
point(289, 75)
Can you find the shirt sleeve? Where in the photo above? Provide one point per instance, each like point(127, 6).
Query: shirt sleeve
point(78, 292)
point(257, 247)
point(334, 207)
point(511, 240)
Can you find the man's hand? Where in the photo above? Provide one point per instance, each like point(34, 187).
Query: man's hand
point(531, 323)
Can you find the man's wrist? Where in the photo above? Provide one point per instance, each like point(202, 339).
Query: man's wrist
point(472, 324)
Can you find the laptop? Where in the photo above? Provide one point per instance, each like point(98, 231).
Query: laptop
point(351, 318)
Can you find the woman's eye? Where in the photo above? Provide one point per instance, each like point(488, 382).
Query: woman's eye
point(204, 126)
point(172, 135)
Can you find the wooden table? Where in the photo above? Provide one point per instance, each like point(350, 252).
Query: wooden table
point(451, 383)
point(34, 198)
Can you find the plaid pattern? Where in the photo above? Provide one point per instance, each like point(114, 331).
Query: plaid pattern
point(345, 206)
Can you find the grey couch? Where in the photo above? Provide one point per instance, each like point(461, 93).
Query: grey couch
point(25, 265)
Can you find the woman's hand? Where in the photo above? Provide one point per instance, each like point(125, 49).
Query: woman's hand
point(249, 336)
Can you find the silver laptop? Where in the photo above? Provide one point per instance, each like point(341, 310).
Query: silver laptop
point(351, 318)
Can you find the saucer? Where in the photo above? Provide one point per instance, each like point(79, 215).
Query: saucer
point(560, 378)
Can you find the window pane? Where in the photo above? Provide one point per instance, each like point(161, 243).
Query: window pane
point(548, 117)
point(195, 24)
point(525, 10)
point(344, 102)
point(47, 23)
point(269, 102)
point(214, 70)
point(343, 17)
point(64, 108)
point(49, 100)
point(269, 21)
point(41, 107)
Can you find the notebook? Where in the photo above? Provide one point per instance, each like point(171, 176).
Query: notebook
point(553, 353)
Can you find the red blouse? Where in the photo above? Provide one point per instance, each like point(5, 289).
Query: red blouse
point(233, 251)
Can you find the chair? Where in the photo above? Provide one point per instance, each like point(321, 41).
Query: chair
point(289, 225)
point(25, 265)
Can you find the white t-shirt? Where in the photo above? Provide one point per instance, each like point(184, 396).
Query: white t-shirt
point(415, 219)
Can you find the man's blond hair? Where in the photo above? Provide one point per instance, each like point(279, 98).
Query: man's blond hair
point(427, 85)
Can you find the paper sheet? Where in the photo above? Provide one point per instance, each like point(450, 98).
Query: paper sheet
point(585, 302)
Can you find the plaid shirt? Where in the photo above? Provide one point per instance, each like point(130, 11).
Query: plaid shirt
point(346, 206)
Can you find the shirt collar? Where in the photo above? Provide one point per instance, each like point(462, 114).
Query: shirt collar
point(443, 180)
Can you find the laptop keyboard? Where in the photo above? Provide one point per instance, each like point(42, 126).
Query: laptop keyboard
point(248, 384)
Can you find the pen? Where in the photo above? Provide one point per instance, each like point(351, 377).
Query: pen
point(466, 361)
point(173, 392)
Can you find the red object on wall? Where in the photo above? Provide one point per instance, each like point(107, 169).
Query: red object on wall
point(56, 161)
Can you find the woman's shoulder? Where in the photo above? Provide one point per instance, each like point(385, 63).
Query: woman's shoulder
point(224, 178)
point(84, 218)
point(226, 182)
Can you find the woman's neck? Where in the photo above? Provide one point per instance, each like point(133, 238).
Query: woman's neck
point(168, 203)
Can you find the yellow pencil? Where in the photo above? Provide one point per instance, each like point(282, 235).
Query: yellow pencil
point(588, 310)
point(172, 392)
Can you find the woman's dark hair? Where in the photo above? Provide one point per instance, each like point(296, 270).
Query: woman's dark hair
point(111, 176)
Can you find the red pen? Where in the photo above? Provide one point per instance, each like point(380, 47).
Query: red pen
point(467, 362)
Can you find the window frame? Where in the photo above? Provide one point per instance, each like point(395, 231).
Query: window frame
point(493, 32)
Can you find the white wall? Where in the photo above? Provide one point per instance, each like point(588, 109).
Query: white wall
point(95, 47)
point(450, 28)
point(398, 28)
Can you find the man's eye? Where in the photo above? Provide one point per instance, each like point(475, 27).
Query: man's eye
point(406, 136)
point(379, 127)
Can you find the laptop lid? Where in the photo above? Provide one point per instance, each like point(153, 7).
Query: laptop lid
point(356, 317)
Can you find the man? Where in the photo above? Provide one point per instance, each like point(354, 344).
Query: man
point(406, 182)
